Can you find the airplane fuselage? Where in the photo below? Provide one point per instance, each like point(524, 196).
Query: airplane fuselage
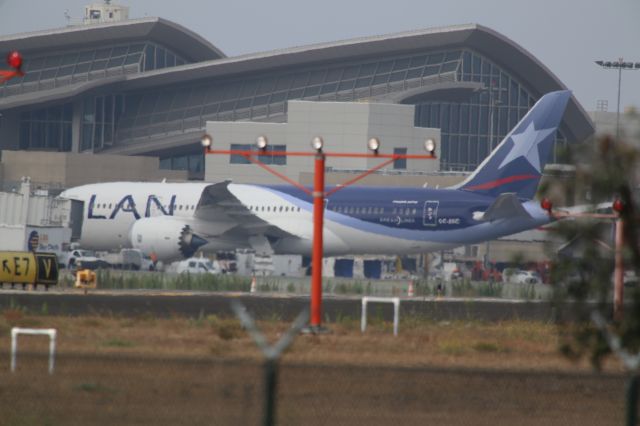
point(358, 220)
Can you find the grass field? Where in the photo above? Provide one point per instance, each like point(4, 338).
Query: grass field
point(513, 344)
point(146, 370)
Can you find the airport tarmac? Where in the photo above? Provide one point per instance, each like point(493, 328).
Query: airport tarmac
point(265, 305)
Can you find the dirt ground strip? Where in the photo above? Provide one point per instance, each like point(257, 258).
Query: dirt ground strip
point(183, 371)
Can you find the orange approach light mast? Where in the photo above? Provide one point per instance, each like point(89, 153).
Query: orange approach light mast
point(319, 194)
point(618, 206)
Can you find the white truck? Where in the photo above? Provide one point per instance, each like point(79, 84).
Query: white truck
point(129, 259)
point(519, 276)
point(198, 265)
point(87, 258)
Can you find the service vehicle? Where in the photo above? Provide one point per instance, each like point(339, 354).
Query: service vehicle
point(86, 258)
point(198, 265)
point(129, 259)
point(521, 277)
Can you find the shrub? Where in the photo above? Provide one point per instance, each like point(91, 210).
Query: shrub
point(225, 328)
point(118, 343)
point(489, 347)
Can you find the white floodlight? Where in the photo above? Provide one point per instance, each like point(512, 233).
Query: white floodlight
point(317, 143)
point(206, 141)
point(430, 145)
point(373, 144)
point(262, 142)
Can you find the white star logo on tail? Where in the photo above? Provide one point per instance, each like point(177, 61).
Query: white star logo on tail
point(525, 145)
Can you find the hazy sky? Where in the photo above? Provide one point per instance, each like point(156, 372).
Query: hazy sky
point(566, 35)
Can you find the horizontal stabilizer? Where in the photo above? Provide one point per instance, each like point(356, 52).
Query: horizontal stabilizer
point(505, 206)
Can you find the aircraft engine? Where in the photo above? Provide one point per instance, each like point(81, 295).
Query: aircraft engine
point(169, 238)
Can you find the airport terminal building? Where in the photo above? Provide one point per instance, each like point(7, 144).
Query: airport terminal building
point(147, 87)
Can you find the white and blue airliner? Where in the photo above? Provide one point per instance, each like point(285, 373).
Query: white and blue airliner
point(174, 220)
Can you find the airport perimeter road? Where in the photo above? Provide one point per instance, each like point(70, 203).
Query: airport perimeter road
point(133, 303)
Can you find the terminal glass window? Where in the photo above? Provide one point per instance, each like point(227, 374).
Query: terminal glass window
point(193, 163)
point(472, 128)
point(264, 98)
point(53, 70)
point(265, 156)
point(47, 129)
point(157, 57)
point(401, 163)
point(239, 159)
point(100, 115)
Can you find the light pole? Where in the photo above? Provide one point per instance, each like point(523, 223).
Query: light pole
point(617, 216)
point(318, 226)
point(619, 65)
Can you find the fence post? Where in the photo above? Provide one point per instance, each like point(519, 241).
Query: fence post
point(271, 386)
point(632, 400)
point(631, 362)
point(271, 353)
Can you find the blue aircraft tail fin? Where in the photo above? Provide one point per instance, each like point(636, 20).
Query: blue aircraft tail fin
point(516, 164)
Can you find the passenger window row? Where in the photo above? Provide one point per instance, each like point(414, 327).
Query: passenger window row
point(177, 207)
point(374, 210)
point(357, 210)
point(274, 209)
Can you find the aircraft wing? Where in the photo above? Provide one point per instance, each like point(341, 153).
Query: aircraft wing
point(505, 206)
point(225, 214)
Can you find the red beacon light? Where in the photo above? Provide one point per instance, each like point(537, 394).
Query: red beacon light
point(14, 60)
point(618, 205)
point(546, 204)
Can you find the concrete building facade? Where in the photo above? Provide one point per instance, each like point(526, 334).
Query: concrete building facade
point(344, 127)
point(59, 170)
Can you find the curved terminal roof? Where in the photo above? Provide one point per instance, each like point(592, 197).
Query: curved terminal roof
point(495, 46)
point(175, 36)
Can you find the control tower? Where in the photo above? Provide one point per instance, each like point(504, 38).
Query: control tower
point(98, 13)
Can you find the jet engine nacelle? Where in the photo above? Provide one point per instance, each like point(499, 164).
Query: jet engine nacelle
point(169, 238)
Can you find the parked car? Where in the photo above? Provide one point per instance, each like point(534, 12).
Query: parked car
point(198, 265)
point(524, 277)
point(86, 258)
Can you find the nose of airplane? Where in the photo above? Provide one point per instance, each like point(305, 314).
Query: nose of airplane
point(66, 195)
point(69, 195)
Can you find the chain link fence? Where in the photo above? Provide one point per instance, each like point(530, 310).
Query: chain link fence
point(115, 389)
